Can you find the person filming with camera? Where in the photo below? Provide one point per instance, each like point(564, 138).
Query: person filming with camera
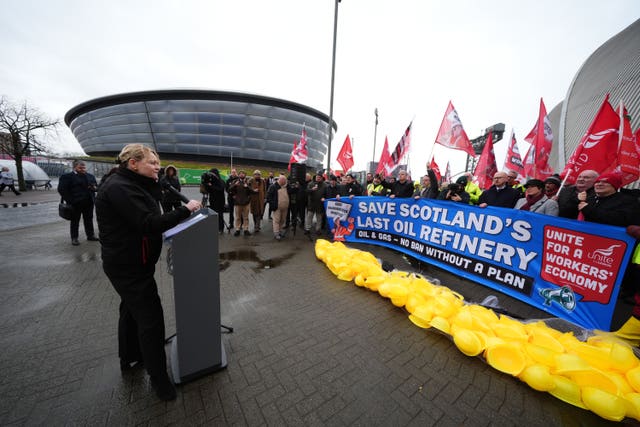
point(454, 192)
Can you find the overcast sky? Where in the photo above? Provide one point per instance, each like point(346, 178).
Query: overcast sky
point(493, 59)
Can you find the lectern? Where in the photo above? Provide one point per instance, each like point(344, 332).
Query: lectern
point(192, 259)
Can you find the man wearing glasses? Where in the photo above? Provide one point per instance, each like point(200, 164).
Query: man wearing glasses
point(500, 194)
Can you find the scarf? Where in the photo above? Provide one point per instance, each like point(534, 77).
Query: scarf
point(531, 200)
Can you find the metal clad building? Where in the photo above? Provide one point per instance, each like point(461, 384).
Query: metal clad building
point(613, 68)
point(200, 124)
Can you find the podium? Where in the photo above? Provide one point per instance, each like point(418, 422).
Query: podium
point(192, 259)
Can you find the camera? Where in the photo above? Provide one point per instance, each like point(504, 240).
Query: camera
point(454, 189)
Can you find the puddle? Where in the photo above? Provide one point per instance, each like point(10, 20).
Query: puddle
point(251, 255)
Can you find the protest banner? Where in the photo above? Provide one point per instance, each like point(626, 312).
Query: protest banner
point(570, 269)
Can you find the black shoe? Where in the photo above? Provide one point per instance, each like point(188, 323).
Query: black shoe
point(307, 232)
point(236, 233)
point(75, 242)
point(163, 388)
point(246, 233)
point(93, 239)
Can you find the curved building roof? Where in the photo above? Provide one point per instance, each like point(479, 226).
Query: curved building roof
point(613, 68)
point(200, 124)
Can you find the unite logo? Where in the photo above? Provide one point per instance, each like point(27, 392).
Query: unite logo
point(594, 138)
point(603, 256)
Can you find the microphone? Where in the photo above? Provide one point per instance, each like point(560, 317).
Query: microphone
point(171, 188)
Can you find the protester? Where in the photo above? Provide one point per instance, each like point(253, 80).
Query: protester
point(535, 200)
point(455, 193)
point(402, 187)
point(513, 181)
point(568, 196)
point(241, 193)
point(609, 206)
point(552, 185)
point(428, 186)
point(78, 189)
point(470, 187)
point(131, 228)
point(350, 187)
point(376, 188)
point(259, 190)
point(6, 180)
point(279, 195)
point(170, 200)
point(499, 194)
point(315, 205)
point(214, 188)
point(233, 176)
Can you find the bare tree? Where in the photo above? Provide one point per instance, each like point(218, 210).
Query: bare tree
point(23, 127)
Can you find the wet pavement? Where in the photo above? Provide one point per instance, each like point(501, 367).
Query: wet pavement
point(307, 349)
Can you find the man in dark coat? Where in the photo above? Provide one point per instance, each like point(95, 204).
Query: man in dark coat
point(78, 189)
point(499, 194)
point(214, 186)
point(403, 187)
point(568, 196)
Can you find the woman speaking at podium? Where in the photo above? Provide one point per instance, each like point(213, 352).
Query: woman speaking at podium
point(131, 228)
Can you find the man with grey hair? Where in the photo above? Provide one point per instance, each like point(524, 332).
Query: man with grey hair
point(568, 196)
point(499, 194)
point(78, 188)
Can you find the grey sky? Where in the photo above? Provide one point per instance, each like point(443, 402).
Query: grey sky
point(494, 59)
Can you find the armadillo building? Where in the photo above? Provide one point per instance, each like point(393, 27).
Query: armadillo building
point(200, 125)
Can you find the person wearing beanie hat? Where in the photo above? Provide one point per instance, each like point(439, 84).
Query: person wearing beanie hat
point(470, 188)
point(610, 206)
point(535, 200)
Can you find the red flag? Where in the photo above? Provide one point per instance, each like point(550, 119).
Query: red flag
point(384, 158)
point(292, 159)
point(402, 148)
point(628, 161)
point(513, 161)
point(536, 163)
point(345, 156)
point(447, 173)
point(486, 167)
point(598, 147)
point(300, 151)
point(435, 168)
point(452, 134)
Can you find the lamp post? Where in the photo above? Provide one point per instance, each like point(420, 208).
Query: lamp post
point(375, 133)
point(333, 75)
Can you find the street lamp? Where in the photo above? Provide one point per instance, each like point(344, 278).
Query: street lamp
point(333, 75)
point(375, 133)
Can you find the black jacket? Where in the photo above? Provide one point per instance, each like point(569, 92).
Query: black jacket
point(214, 186)
point(76, 188)
point(617, 209)
point(568, 201)
point(505, 198)
point(130, 221)
point(402, 189)
point(272, 195)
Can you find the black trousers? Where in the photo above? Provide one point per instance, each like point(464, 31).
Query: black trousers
point(84, 208)
point(141, 325)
